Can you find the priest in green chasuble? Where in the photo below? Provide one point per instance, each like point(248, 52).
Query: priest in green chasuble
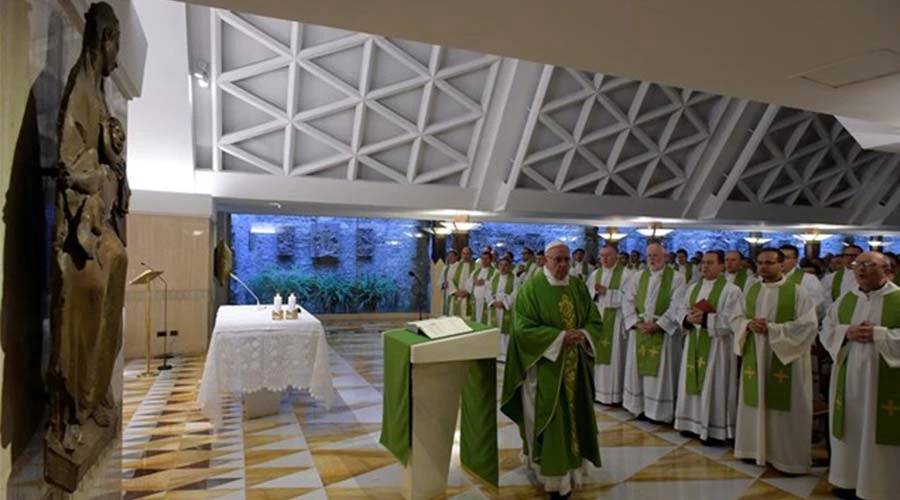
point(501, 298)
point(861, 331)
point(607, 286)
point(707, 383)
point(448, 286)
point(842, 280)
point(479, 287)
point(799, 276)
point(773, 335)
point(654, 338)
point(548, 382)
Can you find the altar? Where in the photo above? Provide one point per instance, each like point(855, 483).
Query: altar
point(259, 357)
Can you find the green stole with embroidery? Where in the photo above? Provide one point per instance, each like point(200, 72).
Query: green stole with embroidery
point(605, 345)
point(456, 302)
point(508, 290)
point(471, 305)
point(778, 378)
point(649, 347)
point(887, 419)
point(836, 282)
point(699, 340)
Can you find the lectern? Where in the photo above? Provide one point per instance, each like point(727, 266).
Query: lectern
point(425, 382)
point(146, 278)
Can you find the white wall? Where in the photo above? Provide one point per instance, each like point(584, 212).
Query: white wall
point(160, 142)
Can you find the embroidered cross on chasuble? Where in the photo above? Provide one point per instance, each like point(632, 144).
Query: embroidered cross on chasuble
point(604, 346)
point(699, 340)
point(649, 347)
point(887, 419)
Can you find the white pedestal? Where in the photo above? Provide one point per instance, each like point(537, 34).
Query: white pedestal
point(438, 375)
point(262, 403)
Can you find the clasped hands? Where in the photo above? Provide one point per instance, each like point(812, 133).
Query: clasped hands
point(574, 337)
point(461, 294)
point(863, 333)
point(695, 317)
point(600, 289)
point(648, 327)
point(759, 326)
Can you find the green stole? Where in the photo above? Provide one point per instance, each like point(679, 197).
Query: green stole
point(740, 279)
point(688, 272)
point(584, 269)
point(508, 290)
point(887, 420)
point(455, 302)
point(471, 305)
point(649, 347)
point(796, 276)
point(604, 347)
point(778, 378)
point(445, 309)
point(699, 340)
point(836, 284)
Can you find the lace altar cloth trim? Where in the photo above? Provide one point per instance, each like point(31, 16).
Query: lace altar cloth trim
point(250, 351)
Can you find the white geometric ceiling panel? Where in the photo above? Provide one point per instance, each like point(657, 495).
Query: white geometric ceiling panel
point(606, 135)
point(301, 100)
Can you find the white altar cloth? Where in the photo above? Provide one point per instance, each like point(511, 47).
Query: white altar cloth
point(249, 351)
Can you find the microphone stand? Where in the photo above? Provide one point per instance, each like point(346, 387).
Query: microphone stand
point(258, 305)
point(418, 293)
point(165, 356)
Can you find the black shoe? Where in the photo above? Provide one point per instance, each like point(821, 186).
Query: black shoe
point(844, 493)
point(554, 495)
point(750, 461)
point(712, 442)
point(688, 434)
point(642, 418)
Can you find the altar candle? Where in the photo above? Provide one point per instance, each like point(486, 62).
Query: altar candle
point(292, 303)
point(278, 303)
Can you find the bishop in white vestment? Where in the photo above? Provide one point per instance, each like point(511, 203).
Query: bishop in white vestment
point(707, 383)
point(773, 335)
point(862, 333)
point(607, 286)
point(654, 338)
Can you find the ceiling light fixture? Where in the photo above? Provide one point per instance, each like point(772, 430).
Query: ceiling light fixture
point(756, 238)
point(201, 74)
point(814, 236)
point(654, 231)
point(460, 224)
point(612, 235)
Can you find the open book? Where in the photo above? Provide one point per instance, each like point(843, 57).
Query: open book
point(437, 328)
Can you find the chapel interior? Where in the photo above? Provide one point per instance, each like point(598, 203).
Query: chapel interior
point(215, 210)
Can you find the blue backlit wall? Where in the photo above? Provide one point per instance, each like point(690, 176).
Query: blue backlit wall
point(513, 237)
point(333, 264)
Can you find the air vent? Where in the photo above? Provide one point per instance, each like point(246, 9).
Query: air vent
point(864, 68)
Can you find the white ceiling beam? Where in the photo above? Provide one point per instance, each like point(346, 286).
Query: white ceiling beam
point(252, 159)
point(255, 69)
point(487, 95)
point(332, 47)
point(440, 173)
point(319, 165)
point(291, 107)
point(251, 132)
point(866, 208)
point(255, 33)
point(710, 207)
point(254, 101)
point(215, 63)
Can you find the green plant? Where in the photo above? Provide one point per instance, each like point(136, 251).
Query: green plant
point(329, 293)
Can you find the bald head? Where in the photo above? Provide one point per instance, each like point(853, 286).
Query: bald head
point(656, 256)
point(734, 261)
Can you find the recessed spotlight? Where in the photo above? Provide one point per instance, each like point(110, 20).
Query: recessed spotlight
point(275, 204)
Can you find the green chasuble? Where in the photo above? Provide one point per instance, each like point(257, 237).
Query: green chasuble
point(778, 378)
point(887, 416)
point(649, 347)
point(699, 340)
point(565, 426)
point(605, 345)
point(508, 290)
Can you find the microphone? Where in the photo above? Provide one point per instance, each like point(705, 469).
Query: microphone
point(246, 288)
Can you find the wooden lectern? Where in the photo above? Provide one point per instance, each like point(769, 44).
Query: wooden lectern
point(146, 278)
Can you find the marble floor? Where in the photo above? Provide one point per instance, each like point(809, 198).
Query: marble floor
point(170, 451)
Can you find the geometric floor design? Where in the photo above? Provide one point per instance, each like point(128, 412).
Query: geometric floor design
point(169, 451)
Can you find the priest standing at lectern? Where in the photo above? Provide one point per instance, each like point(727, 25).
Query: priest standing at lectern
point(548, 383)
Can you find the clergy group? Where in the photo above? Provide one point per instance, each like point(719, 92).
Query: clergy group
point(719, 351)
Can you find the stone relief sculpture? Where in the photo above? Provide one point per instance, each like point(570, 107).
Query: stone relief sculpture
point(89, 261)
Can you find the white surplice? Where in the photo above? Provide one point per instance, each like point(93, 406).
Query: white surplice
point(848, 283)
point(857, 462)
point(531, 268)
point(464, 276)
point(609, 380)
point(712, 413)
point(816, 294)
point(751, 279)
point(508, 300)
point(574, 478)
point(582, 269)
point(479, 294)
point(652, 396)
point(780, 438)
